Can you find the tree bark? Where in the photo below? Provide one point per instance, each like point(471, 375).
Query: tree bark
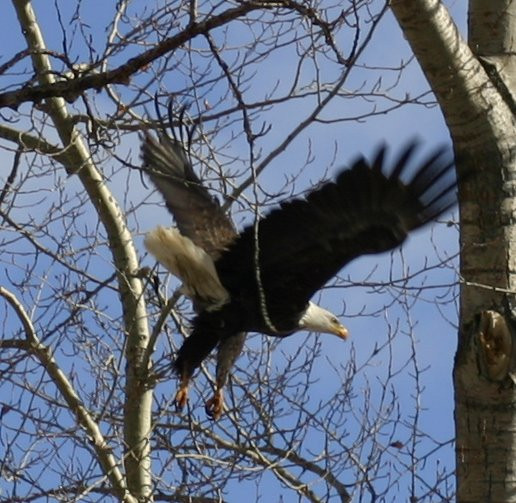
point(474, 86)
point(138, 406)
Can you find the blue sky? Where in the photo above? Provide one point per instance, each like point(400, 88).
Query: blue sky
point(433, 336)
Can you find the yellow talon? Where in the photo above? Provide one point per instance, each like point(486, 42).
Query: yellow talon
point(215, 406)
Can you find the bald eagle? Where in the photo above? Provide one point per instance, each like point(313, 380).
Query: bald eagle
point(262, 279)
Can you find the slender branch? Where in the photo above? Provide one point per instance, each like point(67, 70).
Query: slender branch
point(138, 403)
point(310, 118)
point(46, 358)
point(72, 88)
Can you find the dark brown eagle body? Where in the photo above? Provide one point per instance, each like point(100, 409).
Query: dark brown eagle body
point(200, 218)
point(270, 271)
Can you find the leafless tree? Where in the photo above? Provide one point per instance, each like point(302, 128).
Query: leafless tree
point(278, 92)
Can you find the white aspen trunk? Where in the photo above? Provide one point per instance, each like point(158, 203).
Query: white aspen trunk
point(478, 109)
point(137, 482)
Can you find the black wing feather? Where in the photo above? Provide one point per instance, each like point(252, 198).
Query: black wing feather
point(369, 208)
point(198, 215)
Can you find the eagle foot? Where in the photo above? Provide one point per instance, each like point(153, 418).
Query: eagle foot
point(181, 397)
point(215, 406)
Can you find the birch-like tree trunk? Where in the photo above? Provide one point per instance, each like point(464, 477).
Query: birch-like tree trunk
point(82, 348)
point(137, 414)
point(474, 84)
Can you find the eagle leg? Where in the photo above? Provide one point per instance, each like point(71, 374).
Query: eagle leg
point(181, 397)
point(215, 406)
point(229, 349)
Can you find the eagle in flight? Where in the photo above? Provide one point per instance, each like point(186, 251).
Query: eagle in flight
point(262, 278)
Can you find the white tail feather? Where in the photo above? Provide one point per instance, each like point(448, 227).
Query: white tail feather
point(190, 263)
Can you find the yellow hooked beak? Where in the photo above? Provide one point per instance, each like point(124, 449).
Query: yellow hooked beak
point(341, 331)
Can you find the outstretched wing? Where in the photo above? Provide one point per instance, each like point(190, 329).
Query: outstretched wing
point(198, 215)
point(369, 208)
